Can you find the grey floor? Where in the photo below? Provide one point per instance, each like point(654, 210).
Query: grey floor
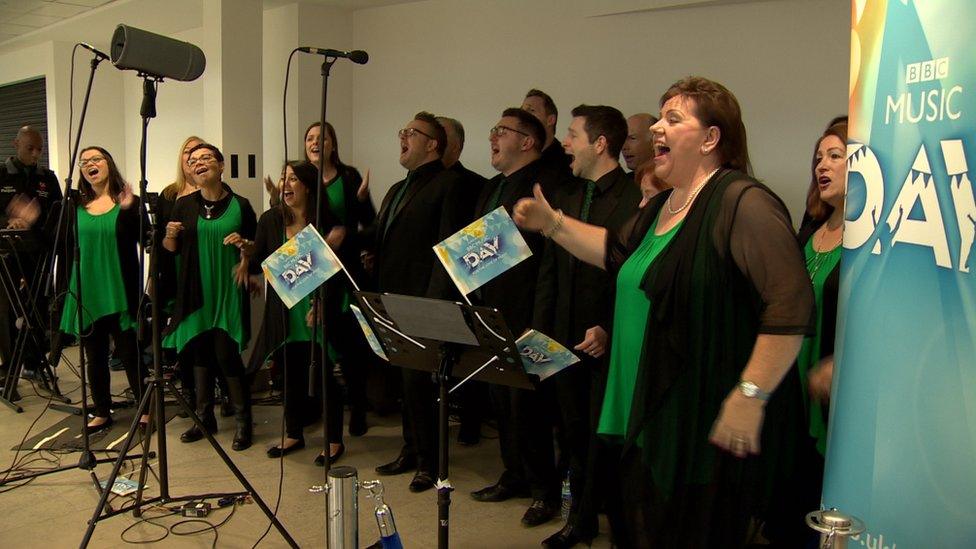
point(53, 510)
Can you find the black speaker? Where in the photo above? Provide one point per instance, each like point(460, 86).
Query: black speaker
point(156, 55)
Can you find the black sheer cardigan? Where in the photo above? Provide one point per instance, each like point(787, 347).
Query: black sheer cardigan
point(733, 271)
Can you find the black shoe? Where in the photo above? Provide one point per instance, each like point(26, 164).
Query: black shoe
point(568, 537)
point(402, 464)
point(421, 482)
point(194, 434)
point(103, 427)
point(320, 459)
point(540, 512)
point(357, 423)
point(277, 451)
point(496, 492)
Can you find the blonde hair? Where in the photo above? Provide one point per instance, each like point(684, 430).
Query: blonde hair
point(176, 188)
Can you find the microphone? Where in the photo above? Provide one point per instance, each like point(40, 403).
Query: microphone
point(358, 57)
point(98, 54)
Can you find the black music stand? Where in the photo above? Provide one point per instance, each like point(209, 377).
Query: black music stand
point(447, 339)
point(12, 243)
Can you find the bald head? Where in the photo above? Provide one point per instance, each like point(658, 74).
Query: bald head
point(638, 147)
point(455, 140)
point(28, 145)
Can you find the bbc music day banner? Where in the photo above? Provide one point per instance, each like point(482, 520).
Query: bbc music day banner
point(302, 264)
point(482, 250)
point(901, 452)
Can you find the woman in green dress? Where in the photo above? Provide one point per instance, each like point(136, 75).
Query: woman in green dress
point(711, 307)
point(212, 231)
point(347, 199)
point(285, 334)
point(820, 237)
point(108, 240)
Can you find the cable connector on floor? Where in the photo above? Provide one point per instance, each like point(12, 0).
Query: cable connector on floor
point(195, 510)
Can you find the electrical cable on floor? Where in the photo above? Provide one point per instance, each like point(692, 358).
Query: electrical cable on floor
point(281, 443)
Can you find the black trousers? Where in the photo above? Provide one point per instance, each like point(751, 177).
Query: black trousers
point(579, 397)
point(348, 340)
point(420, 418)
point(98, 353)
point(300, 408)
point(215, 350)
point(525, 437)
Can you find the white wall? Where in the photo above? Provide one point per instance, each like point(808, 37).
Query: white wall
point(785, 60)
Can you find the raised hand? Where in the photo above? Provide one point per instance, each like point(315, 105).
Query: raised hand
point(534, 214)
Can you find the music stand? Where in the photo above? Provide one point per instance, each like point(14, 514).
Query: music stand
point(12, 243)
point(447, 339)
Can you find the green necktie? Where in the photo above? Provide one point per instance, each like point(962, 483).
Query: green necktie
point(496, 196)
point(587, 202)
point(395, 205)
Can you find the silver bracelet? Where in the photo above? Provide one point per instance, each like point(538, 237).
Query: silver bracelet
point(555, 226)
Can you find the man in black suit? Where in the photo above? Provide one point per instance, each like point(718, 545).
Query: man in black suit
point(574, 300)
point(28, 192)
point(541, 106)
point(472, 397)
point(638, 147)
point(524, 427)
point(417, 213)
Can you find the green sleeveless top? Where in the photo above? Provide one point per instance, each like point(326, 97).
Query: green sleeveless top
point(819, 266)
point(222, 300)
point(101, 274)
point(631, 309)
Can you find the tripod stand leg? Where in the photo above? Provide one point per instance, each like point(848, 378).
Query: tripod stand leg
point(116, 467)
point(233, 468)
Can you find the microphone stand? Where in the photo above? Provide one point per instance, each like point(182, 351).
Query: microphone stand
point(319, 308)
point(69, 204)
point(152, 401)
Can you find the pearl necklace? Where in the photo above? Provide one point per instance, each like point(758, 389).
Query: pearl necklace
point(691, 196)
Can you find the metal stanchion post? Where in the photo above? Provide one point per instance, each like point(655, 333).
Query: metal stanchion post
point(343, 499)
point(834, 527)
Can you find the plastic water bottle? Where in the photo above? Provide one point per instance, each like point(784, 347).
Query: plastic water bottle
point(567, 499)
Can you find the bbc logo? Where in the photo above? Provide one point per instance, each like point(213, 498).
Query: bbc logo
point(926, 71)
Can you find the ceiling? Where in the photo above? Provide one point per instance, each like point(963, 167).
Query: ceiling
point(18, 17)
point(26, 22)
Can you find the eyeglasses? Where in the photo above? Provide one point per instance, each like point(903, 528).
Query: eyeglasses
point(93, 160)
point(202, 159)
point(500, 131)
point(407, 133)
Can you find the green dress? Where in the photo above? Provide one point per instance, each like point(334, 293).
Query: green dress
point(337, 198)
point(631, 309)
point(819, 266)
point(222, 300)
point(101, 274)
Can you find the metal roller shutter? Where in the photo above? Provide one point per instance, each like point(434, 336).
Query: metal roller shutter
point(21, 104)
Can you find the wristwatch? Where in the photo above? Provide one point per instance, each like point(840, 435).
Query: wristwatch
point(751, 390)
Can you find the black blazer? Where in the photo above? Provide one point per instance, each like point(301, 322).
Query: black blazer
point(513, 292)
point(428, 213)
point(573, 296)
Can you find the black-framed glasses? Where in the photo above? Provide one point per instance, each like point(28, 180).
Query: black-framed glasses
point(202, 159)
point(500, 131)
point(407, 133)
point(93, 160)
